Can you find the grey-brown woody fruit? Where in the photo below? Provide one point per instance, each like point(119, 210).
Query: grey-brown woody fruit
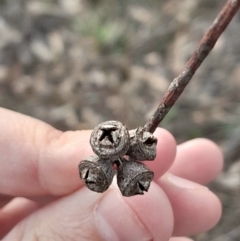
point(96, 173)
point(110, 139)
point(133, 178)
point(142, 145)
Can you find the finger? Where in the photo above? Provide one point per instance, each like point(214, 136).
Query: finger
point(86, 215)
point(43, 200)
point(35, 158)
point(15, 209)
point(44, 161)
point(198, 160)
point(180, 239)
point(4, 199)
point(196, 209)
point(166, 151)
point(14, 212)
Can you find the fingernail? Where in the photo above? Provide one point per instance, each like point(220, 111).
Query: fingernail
point(183, 183)
point(116, 221)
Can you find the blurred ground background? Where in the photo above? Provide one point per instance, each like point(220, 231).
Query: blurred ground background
point(77, 63)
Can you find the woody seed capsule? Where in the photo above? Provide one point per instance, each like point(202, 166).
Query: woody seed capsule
point(96, 173)
point(133, 177)
point(110, 139)
point(142, 145)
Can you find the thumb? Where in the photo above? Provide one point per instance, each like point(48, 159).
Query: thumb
point(85, 215)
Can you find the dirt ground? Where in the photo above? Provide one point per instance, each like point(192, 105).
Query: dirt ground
point(77, 63)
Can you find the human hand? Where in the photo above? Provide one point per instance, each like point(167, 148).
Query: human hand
point(39, 167)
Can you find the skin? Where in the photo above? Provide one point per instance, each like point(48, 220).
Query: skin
point(42, 197)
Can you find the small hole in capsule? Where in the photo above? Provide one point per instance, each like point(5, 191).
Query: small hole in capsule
point(150, 141)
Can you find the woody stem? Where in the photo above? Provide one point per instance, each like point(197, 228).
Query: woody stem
point(206, 45)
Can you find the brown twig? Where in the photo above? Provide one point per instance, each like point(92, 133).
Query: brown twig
point(207, 43)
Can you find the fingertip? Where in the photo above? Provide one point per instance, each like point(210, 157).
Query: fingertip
point(196, 209)
point(214, 210)
point(199, 160)
point(210, 146)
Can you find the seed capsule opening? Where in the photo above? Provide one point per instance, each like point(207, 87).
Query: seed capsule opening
point(142, 145)
point(110, 139)
point(97, 174)
point(133, 178)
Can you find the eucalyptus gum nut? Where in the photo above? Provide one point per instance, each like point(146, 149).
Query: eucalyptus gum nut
point(97, 174)
point(110, 140)
point(142, 145)
point(133, 177)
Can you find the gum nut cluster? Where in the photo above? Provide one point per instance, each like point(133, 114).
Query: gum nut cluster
point(114, 144)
